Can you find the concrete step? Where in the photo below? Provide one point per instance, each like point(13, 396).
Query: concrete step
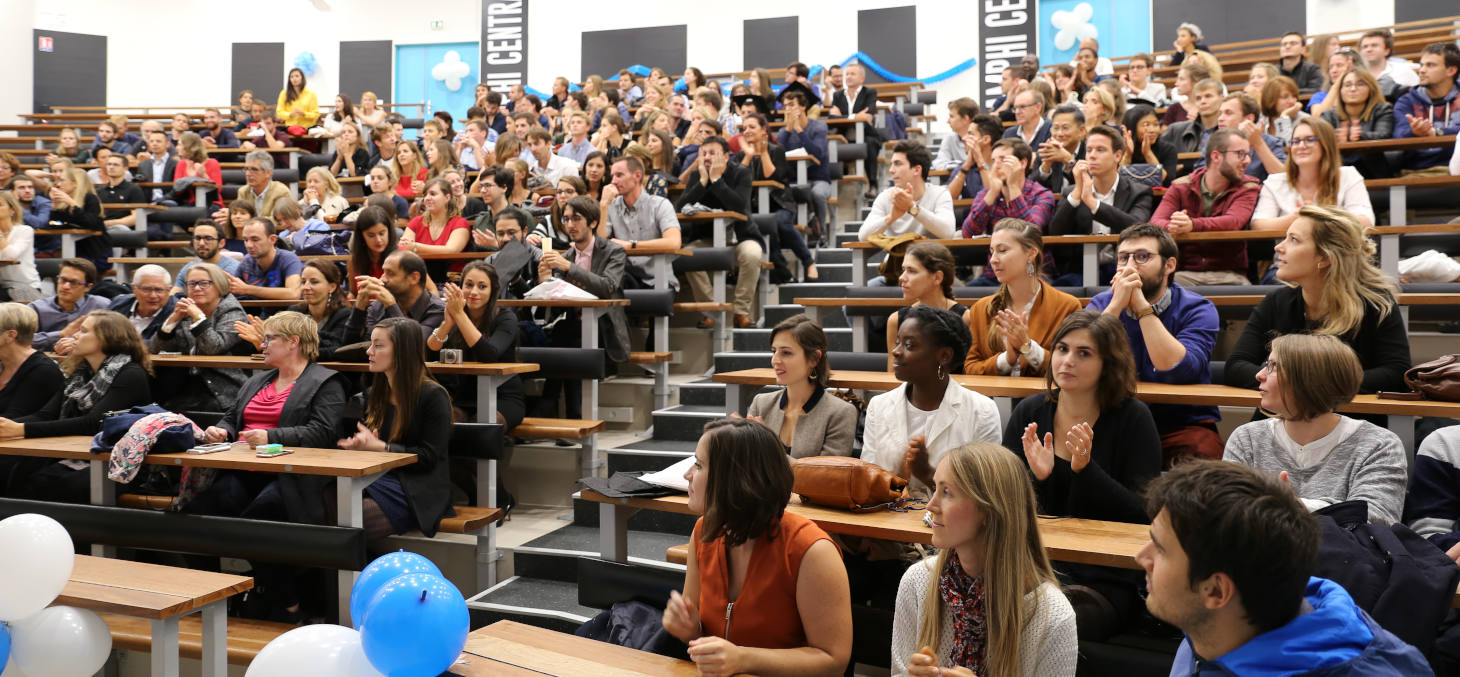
point(703, 392)
point(789, 292)
point(585, 514)
point(834, 272)
point(686, 422)
point(736, 361)
point(827, 255)
point(760, 340)
point(540, 602)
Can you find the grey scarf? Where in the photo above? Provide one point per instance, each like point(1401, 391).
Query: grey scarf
point(83, 389)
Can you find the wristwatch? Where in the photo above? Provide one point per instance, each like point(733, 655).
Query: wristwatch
point(633, 244)
point(1026, 348)
point(914, 210)
point(1145, 312)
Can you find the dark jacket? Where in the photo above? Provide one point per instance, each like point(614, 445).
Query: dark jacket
point(427, 482)
point(129, 389)
point(497, 344)
point(24, 394)
point(605, 281)
point(866, 103)
point(1231, 211)
point(1184, 136)
point(215, 335)
point(1443, 113)
point(428, 311)
point(1060, 174)
point(780, 198)
point(1381, 345)
point(143, 174)
point(1307, 75)
point(310, 417)
point(1040, 136)
point(731, 193)
point(332, 332)
point(1134, 204)
point(127, 303)
point(1379, 125)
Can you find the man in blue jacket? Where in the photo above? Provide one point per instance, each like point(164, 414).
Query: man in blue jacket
point(1228, 563)
point(1431, 108)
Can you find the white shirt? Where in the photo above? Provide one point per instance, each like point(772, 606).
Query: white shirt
point(20, 247)
point(557, 168)
point(1279, 198)
point(1455, 159)
point(1154, 92)
point(963, 416)
point(1400, 71)
point(934, 219)
point(159, 175)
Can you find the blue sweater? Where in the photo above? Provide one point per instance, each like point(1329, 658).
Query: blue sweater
point(1192, 319)
point(1443, 113)
point(1333, 639)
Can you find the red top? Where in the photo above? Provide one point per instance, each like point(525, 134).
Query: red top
point(403, 187)
point(263, 411)
point(418, 227)
point(210, 167)
point(764, 615)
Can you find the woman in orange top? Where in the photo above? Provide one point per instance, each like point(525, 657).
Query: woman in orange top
point(1011, 328)
point(765, 591)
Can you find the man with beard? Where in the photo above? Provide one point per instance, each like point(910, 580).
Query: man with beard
point(1172, 331)
point(400, 291)
point(209, 247)
point(1216, 197)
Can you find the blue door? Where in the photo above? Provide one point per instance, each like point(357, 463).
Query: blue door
point(443, 77)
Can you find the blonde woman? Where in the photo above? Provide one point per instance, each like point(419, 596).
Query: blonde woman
point(409, 168)
point(1315, 175)
point(75, 204)
point(19, 279)
point(1099, 108)
point(69, 147)
point(990, 573)
point(1258, 78)
point(369, 113)
point(322, 195)
point(193, 161)
point(1331, 287)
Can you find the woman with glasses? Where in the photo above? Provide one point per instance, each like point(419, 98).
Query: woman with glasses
point(203, 323)
point(1339, 63)
point(1315, 175)
point(1360, 113)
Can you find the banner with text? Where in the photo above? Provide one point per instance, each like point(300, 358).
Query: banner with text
point(504, 44)
point(1008, 29)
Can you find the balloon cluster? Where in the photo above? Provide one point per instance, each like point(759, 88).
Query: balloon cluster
point(306, 62)
point(59, 641)
point(412, 623)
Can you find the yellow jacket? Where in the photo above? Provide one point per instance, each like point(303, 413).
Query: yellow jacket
point(306, 102)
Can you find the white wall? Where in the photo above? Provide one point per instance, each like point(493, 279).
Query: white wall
point(1335, 16)
point(16, 19)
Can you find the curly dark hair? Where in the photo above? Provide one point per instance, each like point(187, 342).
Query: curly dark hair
point(945, 329)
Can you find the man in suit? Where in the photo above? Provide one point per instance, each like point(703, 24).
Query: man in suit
point(261, 189)
point(1100, 201)
point(150, 302)
point(156, 165)
point(860, 103)
point(597, 266)
point(723, 186)
point(1032, 128)
point(1065, 146)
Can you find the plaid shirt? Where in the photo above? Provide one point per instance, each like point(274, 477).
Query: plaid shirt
point(1035, 204)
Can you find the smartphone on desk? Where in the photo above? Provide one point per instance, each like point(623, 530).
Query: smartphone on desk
point(211, 448)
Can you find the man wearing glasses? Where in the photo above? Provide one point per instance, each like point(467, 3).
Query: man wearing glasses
point(1172, 331)
point(209, 246)
point(60, 316)
point(261, 189)
point(1238, 112)
point(1033, 129)
point(150, 302)
point(1216, 197)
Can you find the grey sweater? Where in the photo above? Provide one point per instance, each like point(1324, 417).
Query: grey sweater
point(1368, 465)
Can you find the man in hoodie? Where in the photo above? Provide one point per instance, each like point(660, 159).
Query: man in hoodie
point(1431, 108)
point(1228, 563)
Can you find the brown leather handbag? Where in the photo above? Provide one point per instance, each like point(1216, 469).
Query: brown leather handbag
point(845, 482)
point(1437, 379)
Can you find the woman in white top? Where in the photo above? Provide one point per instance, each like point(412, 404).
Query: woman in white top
point(910, 428)
point(368, 113)
point(991, 574)
point(17, 243)
point(1315, 175)
point(322, 192)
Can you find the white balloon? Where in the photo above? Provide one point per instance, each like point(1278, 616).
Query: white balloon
point(40, 556)
point(451, 70)
point(61, 641)
point(314, 651)
point(11, 669)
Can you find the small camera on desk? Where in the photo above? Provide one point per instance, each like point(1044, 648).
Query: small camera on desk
point(450, 356)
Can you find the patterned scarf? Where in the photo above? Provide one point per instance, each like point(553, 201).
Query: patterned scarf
point(83, 390)
point(964, 596)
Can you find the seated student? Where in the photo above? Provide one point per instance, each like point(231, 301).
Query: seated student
point(954, 149)
point(383, 143)
point(213, 133)
point(382, 182)
point(1430, 108)
point(151, 300)
point(1240, 112)
point(1216, 197)
point(157, 165)
point(24, 371)
point(1326, 457)
point(106, 137)
point(400, 291)
point(1008, 193)
point(260, 187)
point(1187, 135)
point(1429, 507)
point(208, 244)
point(612, 138)
point(351, 158)
point(1228, 563)
point(1031, 127)
point(658, 150)
point(1101, 107)
point(544, 162)
point(594, 172)
point(927, 279)
point(911, 204)
point(297, 104)
point(1141, 130)
point(68, 145)
point(520, 252)
point(193, 164)
point(1314, 176)
point(967, 178)
point(1360, 113)
point(988, 601)
point(1101, 201)
point(1278, 102)
point(482, 332)
point(636, 218)
point(1011, 328)
point(1137, 83)
point(1334, 288)
point(410, 170)
point(793, 616)
point(469, 207)
point(35, 209)
point(203, 323)
point(910, 428)
point(19, 280)
point(322, 290)
point(439, 158)
point(440, 229)
point(808, 421)
point(767, 162)
point(268, 272)
point(804, 133)
point(60, 317)
point(1307, 75)
point(117, 188)
point(1064, 147)
point(294, 227)
point(321, 197)
point(268, 135)
point(723, 186)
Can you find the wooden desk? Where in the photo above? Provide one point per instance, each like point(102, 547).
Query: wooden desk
point(510, 649)
point(161, 595)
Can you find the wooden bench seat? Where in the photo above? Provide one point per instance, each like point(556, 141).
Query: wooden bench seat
point(562, 428)
point(702, 307)
point(144, 502)
point(469, 519)
point(169, 244)
point(677, 554)
point(649, 357)
point(246, 637)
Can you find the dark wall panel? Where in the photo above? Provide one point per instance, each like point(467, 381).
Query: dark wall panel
point(1229, 20)
point(73, 74)
point(604, 52)
point(259, 66)
point(890, 36)
point(365, 66)
point(1419, 10)
point(771, 43)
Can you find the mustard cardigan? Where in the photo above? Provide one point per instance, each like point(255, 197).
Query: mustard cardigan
point(1049, 311)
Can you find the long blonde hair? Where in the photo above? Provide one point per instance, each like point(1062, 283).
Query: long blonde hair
point(83, 185)
point(1014, 562)
point(1352, 281)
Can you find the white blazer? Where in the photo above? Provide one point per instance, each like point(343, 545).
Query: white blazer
point(964, 416)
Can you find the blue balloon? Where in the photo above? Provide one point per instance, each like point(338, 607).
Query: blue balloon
point(4, 645)
point(415, 626)
point(378, 573)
